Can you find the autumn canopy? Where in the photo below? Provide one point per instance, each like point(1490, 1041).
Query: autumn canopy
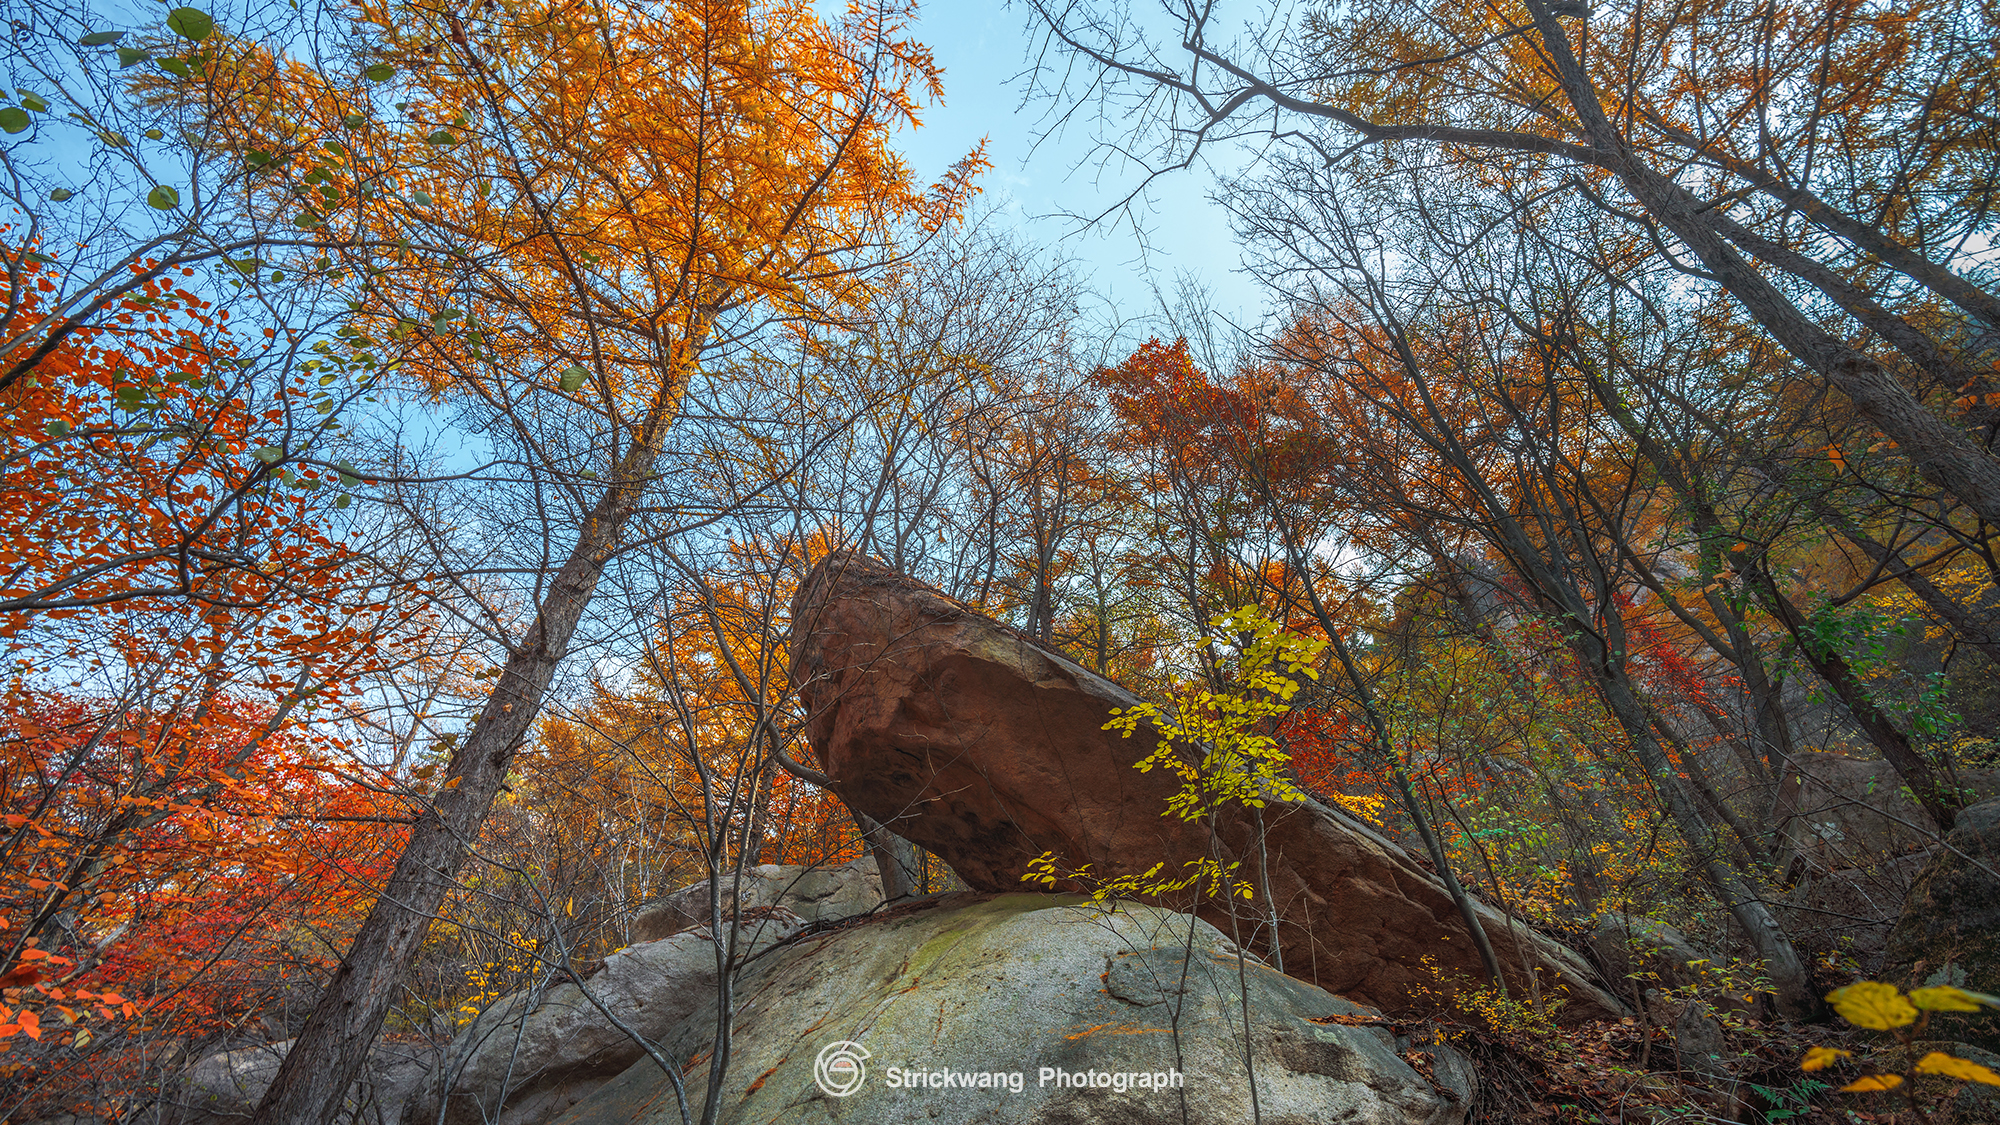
point(417, 421)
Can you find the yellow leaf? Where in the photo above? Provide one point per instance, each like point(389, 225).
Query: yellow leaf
point(1951, 1066)
point(1944, 999)
point(1873, 1005)
point(1819, 1058)
point(1873, 1082)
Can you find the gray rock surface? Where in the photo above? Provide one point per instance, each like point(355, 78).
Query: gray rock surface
point(1016, 983)
point(1856, 811)
point(1701, 1046)
point(815, 894)
point(1949, 932)
point(1853, 909)
point(225, 1087)
point(532, 1055)
point(1643, 953)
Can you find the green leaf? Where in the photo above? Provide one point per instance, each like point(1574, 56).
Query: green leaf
point(38, 257)
point(344, 501)
point(58, 428)
point(244, 265)
point(269, 454)
point(354, 121)
point(163, 198)
point(32, 102)
point(100, 38)
point(155, 135)
point(176, 67)
point(573, 378)
point(60, 195)
point(380, 72)
point(441, 137)
point(14, 119)
point(132, 56)
point(190, 23)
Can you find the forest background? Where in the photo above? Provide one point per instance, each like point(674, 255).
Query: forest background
point(418, 418)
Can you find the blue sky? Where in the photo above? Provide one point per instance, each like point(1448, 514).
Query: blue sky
point(983, 48)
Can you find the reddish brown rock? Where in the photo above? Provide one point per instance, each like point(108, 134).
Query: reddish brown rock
point(987, 750)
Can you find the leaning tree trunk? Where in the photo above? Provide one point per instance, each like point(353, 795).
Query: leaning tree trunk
point(310, 1087)
point(1604, 654)
point(1941, 453)
point(1939, 800)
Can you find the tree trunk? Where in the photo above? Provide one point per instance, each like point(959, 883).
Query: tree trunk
point(310, 1087)
point(1771, 730)
point(1973, 628)
point(1600, 648)
point(1386, 746)
point(1940, 801)
point(1941, 453)
point(1599, 644)
point(1745, 903)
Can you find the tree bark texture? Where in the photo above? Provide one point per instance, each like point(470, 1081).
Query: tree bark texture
point(310, 1087)
point(1941, 453)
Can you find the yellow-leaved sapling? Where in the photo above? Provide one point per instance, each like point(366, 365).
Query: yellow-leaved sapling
point(1884, 1007)
point(1216, 743)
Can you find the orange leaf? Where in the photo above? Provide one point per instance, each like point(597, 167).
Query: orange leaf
point(1873, 1082)
point(1951, 1066)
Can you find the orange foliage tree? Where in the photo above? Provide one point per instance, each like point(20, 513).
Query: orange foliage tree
point(182, 610)
point(1699, 129)
point(570, 208)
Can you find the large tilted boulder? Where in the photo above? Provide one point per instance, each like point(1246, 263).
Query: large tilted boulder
point(968, 739)
point(531, 1055)
point(1950, 929)
point(815, 894)
point(1009, 985)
